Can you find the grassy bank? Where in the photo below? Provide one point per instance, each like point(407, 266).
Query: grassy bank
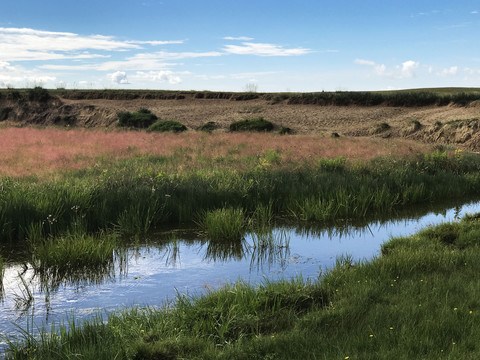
point(136, 194)
point(418, 300)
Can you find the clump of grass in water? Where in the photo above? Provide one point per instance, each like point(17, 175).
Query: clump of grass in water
point(226, 224)
point(72, 252)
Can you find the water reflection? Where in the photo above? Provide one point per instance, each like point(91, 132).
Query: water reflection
point(269, 248)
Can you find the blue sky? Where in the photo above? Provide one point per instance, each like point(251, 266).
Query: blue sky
point(267, 45)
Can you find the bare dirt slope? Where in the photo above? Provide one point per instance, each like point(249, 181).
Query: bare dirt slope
point(451, 124)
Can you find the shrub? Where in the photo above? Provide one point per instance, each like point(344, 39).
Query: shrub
point(167, 125)
point(258, 124)
point(208, 127)
point(143, 118)
point(285, 131)
point(38, 94)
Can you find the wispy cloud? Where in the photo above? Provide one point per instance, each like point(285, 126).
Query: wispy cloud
point(24, 44)
point(262, 49)
point(452, 70)
point(239, 38)
point(379, 69)
point(406, 70)
point(474, 12)
point(164, 55)
point(159, 76)
point(364, 62)
point(155, 43)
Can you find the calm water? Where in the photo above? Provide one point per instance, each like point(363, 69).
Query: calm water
point(152, 274)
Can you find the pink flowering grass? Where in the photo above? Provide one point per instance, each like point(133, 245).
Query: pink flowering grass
point(31, 151)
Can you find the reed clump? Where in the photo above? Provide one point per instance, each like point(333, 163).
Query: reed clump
point(73, 252)
point(226, 224)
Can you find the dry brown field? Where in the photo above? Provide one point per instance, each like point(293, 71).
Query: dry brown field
point(34, 141)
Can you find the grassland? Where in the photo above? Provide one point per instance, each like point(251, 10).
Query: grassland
point(136, 194)
point(67, 195)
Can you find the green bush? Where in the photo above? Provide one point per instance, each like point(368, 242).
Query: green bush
point(258, 124)
point(167, 125)
point(208, 127)
point(143, 118)
point(38, 94)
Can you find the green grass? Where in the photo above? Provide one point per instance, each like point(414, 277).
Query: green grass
point(419, 299)
point(138, 194)
point(166, 126)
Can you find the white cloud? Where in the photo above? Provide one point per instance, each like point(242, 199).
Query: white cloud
point(23, 44)
point(239, 38)
point(379, 69)
point(18, 76)
point(154, 43)
point(249, 75)
point(5, 66)
point(471, 71)
point(164, 55)
point(452, 70)
point(119, 77)
point(474, 12)
point(159, 76)
point(364, 62)
point(259, 49)
point(408, 68)
point(139, 62)
point(210, 77)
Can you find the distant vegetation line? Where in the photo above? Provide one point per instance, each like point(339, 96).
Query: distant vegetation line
point(407, 98)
